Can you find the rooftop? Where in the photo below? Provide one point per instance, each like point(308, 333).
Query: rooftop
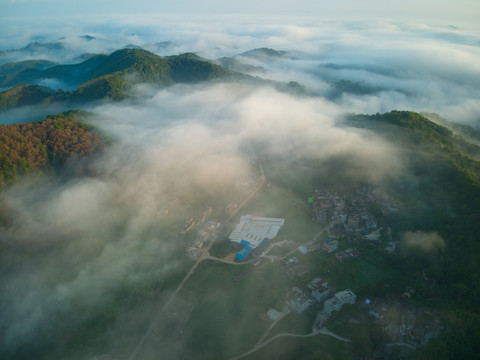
point(253, 230)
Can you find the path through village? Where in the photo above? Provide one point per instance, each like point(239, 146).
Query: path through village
point(206, 256)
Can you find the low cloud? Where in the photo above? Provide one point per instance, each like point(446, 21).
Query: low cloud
point(424, 241)
point(71, 246)
point(433, 68)
point(180, 150)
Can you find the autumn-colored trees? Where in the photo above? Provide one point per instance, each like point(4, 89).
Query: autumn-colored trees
point(43, 145)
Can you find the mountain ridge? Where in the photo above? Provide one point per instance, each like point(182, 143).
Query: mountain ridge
point(111, 76)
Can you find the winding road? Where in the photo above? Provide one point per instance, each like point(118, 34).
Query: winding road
point(205, 256)
point(323, 330)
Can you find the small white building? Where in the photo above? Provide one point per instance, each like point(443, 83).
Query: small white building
point(338, 300)
point(332, 304)
point(317, 283)
point(299, 301)
point(321, 294)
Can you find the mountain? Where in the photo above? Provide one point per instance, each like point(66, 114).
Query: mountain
point(263, 54)
point(36, 46)
point(124, 68)
point(14, 67)
point(61, 48)
point(234, 64)
point(73, 74)
point(190, 67)
point(429, 132)
point(436, 138)
point(338, 88)
point(44, 145)
point(23, 95)
point(83, 57)
point(88, 37)
point(109, 76)
point(160, 46)
point(145, 64)
point(467, 131)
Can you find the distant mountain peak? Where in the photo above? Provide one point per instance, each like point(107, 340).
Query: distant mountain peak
point(88, 37)
point(263, 53)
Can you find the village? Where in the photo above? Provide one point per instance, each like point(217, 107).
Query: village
point(352, 218)
point(346, 220)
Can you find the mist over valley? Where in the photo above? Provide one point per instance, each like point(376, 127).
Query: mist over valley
point(133, 149)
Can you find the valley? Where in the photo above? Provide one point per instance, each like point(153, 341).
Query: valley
point(268, 192)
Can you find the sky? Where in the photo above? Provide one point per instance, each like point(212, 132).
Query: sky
point(443, 11)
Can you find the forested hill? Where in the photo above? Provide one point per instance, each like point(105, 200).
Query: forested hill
point(145, 64)
point(109, 76)
point(44, 145)
point(435, 137)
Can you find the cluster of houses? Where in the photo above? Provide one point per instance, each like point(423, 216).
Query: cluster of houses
point(332, 209)
point(347, 254)
point(350, 217)
point(405, 323)
point(330, 245)
point(190, 223)
point(204, 235)
point(319, 292)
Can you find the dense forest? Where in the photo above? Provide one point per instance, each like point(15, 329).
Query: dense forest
point(112, 76)
point(44, 145)
point(107, 76)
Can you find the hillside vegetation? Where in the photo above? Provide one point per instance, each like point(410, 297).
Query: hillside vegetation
point(435, 137)
point(439, 192)
point(109, 77)
point(15, 67)
point(44, 145)
point(112, 77)
point(23, 95)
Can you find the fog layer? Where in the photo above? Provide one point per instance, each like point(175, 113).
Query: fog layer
point(387, 65)
point(73, 249)
point(73, 245)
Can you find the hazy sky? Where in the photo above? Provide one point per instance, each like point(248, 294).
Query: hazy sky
point(444, 11)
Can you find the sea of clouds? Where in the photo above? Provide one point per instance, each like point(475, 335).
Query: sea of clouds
point(70, 245)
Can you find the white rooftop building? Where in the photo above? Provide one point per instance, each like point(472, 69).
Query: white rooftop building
point(252, 231)
point(338, 300)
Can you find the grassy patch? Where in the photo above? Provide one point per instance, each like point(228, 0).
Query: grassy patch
point(230, 299)
point(318, 347)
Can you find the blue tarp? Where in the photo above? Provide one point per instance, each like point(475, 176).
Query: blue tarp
point(244, 252)
point(247, 250)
